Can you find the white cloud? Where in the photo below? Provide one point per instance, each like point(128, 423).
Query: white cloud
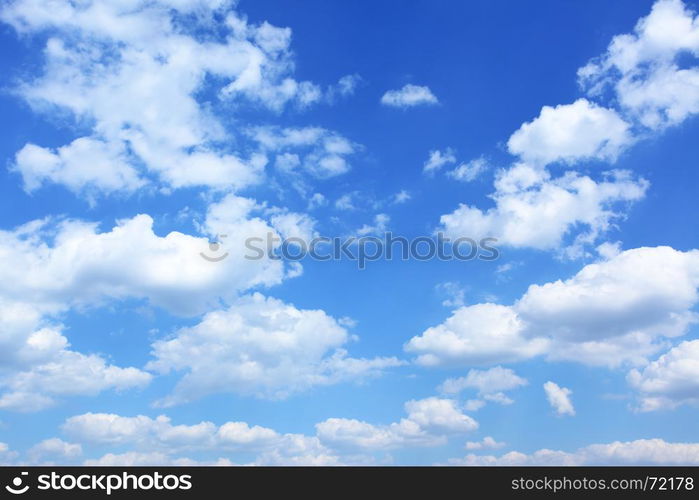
point(67, 373)
point(401, 197)
point(81, 165)
point(52, 266)
point(644, 70)
point(454, 292)
point(487, 443)
point(345, 202)
point(428, 423)
point(135, 72)
point(323, 152)
point(536, 211)
point(408, 96)
point(7, 456)
point(54, 450)
point(317, 200)
point(71, 263)
point(263, 347)
point(490, 383)
point(379, 226)
point(639, 452)
point(608, 314)
point(437, 160)
point(480, 334)
point(559, 398)
point(132, 459)
point(671, 380)
point(38, 366)
point(469, 171)
point(570, 133)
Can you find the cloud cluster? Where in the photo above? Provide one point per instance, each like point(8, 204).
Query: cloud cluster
point(263, 347)
point(646, 70)
point(409, 96)
point(654, 77)
point(429, 422)
point(613, 312)
point(490, 385)
point(559, 398)
point(671, 380)
point(534, 210)
point(639, 452)
point(142, 78)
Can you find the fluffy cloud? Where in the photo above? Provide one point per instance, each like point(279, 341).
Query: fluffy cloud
point(559, 398)
point(408, 96)
point(81, 165)
point(52, 266)
point(7, 456)
point(38, 365)
point(72, 263)
point(263, 347)
point(66, 373)
point(487, 443)
point(438, 159)
point(490, 385)
point(490, 381)
point(469, 171)
point(142, 75)
point(534, 210)
point(671, 380)
point(480, 334)
point(428, 423)
point(571, 133)
point(639, 452)
point(644, 68)
point(158, 440)
point(319, 152)
point(608, 314)
point(54, 450)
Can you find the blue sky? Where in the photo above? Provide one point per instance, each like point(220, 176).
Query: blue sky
point(135, 132)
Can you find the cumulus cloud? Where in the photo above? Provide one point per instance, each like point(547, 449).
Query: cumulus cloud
point(429, 422)
point(70, 262)
point(38, 365)
point(409, 96)
point(533, 209)
point(487, 443)
point(490, 385)
point(671, 380)
point(54, 265)
point(607, 314)
point(54, 450)
point(262, 347)
point(489, 381)
point(138, 74)
point(645, 70)
point(7, 456)
point(147, 440)
point(559, 398)
point(480, 334)
point(469, 171)
point(317, 151)
point(639, 452)
point(159, 441)
point(570, 133)
point(437, 159)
